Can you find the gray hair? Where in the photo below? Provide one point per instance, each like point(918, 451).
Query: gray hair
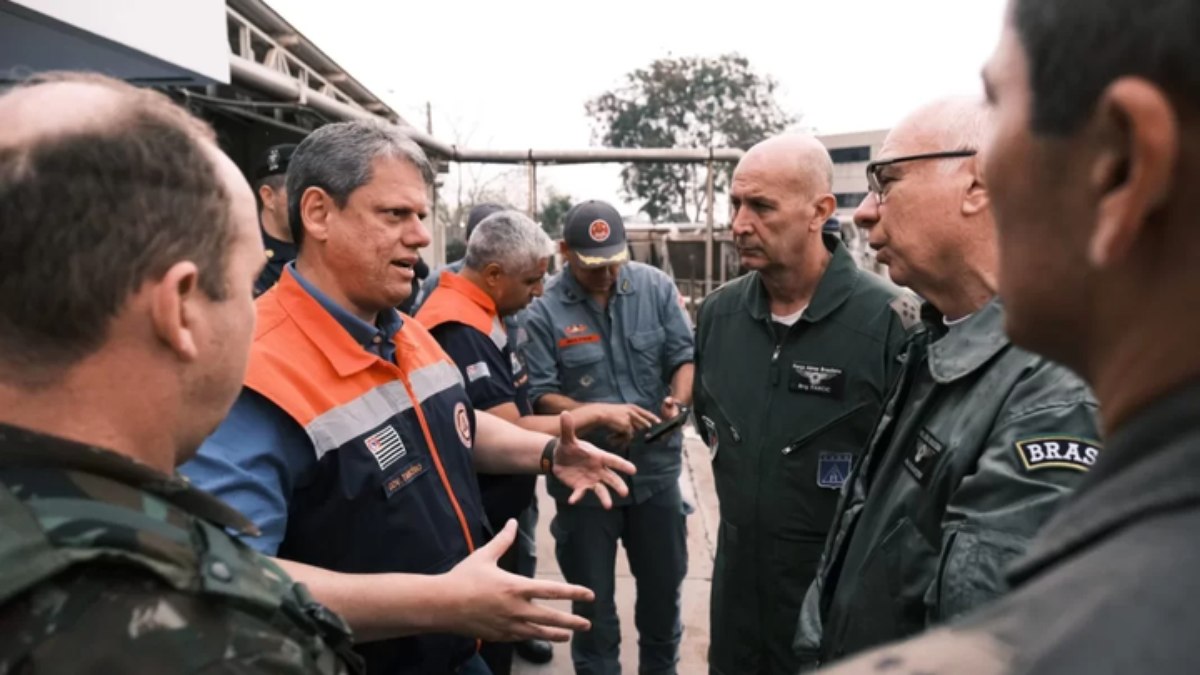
point(337, 158)
point(959, 123)
point(511, 240)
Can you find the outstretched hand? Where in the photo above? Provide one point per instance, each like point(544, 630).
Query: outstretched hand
point(582, 466)
point(498, 606)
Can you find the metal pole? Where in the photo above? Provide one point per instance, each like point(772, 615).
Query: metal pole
point(438, 244)
point(438, 230)
point(533, 199)
point(708, 240)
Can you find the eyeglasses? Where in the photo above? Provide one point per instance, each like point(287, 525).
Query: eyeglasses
point(875, 169)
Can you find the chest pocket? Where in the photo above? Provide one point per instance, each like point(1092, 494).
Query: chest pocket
point(647, 360)
point(815, 466)
point(584, 370)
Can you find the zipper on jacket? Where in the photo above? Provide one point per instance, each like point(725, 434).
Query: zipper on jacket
point(437, 461)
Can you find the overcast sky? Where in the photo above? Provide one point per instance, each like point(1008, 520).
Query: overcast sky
point(515, 74)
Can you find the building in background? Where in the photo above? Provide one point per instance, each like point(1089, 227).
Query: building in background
point(850, 153)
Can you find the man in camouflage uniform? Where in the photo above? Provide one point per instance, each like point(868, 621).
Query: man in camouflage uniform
point(126, 315)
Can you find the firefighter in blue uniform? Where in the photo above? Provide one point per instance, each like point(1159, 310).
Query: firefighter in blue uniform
point(608, 330)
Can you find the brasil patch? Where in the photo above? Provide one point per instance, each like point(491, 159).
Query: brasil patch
point(1058, 452)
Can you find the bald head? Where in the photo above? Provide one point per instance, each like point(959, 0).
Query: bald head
point(959, 123)
point(798, 158)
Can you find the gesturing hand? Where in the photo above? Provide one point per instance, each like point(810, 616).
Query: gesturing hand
point(582, 466)
point(498, 606)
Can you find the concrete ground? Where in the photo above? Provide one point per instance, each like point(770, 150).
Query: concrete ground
point(698, 489)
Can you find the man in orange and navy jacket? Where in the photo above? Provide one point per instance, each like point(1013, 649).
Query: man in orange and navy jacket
point(354, 446)
point(467, 314)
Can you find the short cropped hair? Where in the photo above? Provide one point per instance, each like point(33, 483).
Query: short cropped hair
point(510, 239)
point(90, 213)
point(1076, 49)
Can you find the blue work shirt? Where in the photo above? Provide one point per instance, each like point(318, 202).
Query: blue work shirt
point(259, 453)
point(624, 353)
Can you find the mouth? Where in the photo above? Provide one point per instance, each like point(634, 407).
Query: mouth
point(406, 264)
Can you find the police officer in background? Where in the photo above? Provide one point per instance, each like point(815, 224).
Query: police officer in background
point(613, 331)
point(980, 441)
point(793, 362)
point(270, 187)
point(113, 374)
point(1092, 164)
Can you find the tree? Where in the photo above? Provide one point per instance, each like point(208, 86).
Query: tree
point(686, 102)
point(554, 211)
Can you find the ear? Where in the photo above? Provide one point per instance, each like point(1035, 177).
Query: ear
point(492, 273)
point(173, 308)
point(316, 207)
point(825, 206)
point(1133, 172)
point(564, 250)
point(266, 196)
point(976, 200)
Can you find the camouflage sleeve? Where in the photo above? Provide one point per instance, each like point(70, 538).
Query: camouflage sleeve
point(118, 621)
point(1032, 461)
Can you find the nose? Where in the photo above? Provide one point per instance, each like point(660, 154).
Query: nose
point(417, 235)
point(537, 289)
point(741, 224)
point(866, 215)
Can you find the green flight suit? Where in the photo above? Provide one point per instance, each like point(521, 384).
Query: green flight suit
point(978, 445)
point(785, 412)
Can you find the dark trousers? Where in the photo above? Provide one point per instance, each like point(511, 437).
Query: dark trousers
point(654, 534)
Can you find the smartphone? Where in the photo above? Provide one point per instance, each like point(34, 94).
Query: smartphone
point(665, 427)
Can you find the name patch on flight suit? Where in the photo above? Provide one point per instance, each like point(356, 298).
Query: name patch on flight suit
point(924, 456)
point(1058, 452)
point(812, 379)
point(405, 476)
point(833, 468)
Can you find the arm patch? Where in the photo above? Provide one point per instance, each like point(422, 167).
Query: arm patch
point(1061, 452)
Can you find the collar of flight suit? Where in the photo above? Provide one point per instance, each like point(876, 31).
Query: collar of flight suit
point(836, 286)
point(1147, 468)
point(969, 345)
point(20, 447)
point(572, 292)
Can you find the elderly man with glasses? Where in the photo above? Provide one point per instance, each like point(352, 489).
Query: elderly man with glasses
point(979, 441)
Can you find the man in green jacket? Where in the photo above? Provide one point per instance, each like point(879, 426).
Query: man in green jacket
point(979, 441)
point(793, 363)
